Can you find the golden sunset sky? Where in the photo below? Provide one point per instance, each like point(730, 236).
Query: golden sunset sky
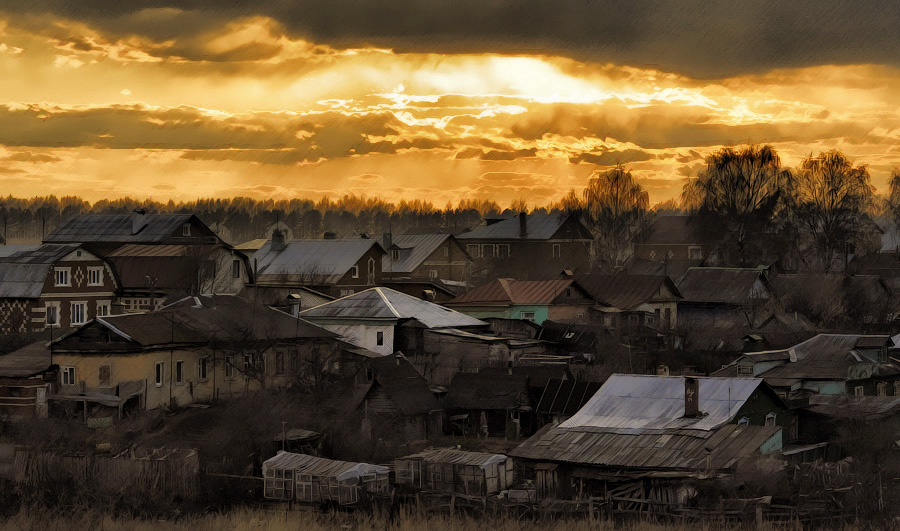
point(436, 100)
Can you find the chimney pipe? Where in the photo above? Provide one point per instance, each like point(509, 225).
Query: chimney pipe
point(138, 220)
point(691, 397)
point(523, 225)
point(278, 244)
point(388, 240)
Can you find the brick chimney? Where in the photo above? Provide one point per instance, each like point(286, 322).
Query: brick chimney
point(277, 240)
point(523, 225)
point(138, 220)
point(691, 397)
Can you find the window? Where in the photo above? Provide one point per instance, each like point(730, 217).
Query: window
point(229, 367)
point(104, 375)
point(858, 391)
point(370, 279)
point(744, 421)
point(103, 308)
point(379, 338)
point(395, 254)
point(568, 292)
point(95, 276)
point(528, 316)
point(346, 292)
point(557, 250)
point(487, 250)
point(745, 369)
point(186, 229)
point(668, 314)
point(62, 276)
point(160, 373)
point(52, 318)
point(68, 375)
point(770, 419)
point(882, 389)
point(247, 364)
point(634, 319)
point(79, 313)
point(179, 372)
point(279, 362)
point(433, 274)
point(695, 253)
point(236, 268)
point(354, 271)
point(503, 250)
point(369, 375)
point(473, 250)
point(203, 369)
point(446, 251)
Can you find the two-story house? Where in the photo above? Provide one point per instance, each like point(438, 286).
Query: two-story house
point(431, 266)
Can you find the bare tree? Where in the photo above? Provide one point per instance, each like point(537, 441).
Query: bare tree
point(829, 198)
point(739, 194)
point(614, 204)
point(892, 204)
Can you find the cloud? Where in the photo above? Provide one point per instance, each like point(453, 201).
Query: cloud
point(609, 158)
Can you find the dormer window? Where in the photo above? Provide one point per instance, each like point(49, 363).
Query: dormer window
point(745, 369)
point(395, 254)
point(186, 229)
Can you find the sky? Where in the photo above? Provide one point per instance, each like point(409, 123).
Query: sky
point(441, 100)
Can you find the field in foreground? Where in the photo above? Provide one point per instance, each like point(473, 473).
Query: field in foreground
point(313, 521)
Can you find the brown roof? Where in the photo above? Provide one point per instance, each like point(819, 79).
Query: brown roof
point(723, 285)
point(628, 291)
point(27, 361)
point(505, 291)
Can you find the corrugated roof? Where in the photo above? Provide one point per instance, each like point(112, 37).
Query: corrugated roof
point(27, 361)
point(13, 248)
point(139, 250)
point(505, 291)
point(727, 285)
point(688, 450)
point(632, 403)
point(385, 303)
point(23, 274)
point(413, 250)
point(538, 227)
point(319, 466)
point(566, 397)
point(311, 261)
point(829, 356)
point(117, 228)
point(628, 291)
point(457, 457)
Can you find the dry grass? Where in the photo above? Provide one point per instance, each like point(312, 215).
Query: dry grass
point(256, 519)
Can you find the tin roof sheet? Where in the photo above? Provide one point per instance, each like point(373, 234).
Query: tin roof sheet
point(311, 261)
point(457, 457)
point(318, 466)
point(117, 228)
point(414, 249)
point(511, 291)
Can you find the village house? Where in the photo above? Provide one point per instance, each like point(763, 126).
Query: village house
point(668, 246)
point(561, 398)
point(55, 286)
point(27, 377)
point(151, 274)
point(634, 300)
point(487, 404)
point(394, 397)
point(531, 300)
point(423, 259)
point(529, 246)
point(334, 267)
point(827, 364)
point(386, 321)
point(195, 350)
point(639, 432)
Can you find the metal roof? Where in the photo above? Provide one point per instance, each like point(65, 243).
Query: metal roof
point(387, 304)
point(629, 291)
point(456, 457)
point(413, 250)
point(117, 228)
point(318, 466)
point(828, 356)
point(23, 274)
point(311, 261)
point(505, 291)
point(13, 248)
point(632, 403)
point(667, 449)
point(139, 250)
point(566, 397)
point(727, 285)
point(854, 407)
point(27, 361)
point(538, 227)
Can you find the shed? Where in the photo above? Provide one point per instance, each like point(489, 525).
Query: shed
point(304, 478)
point(450, 470)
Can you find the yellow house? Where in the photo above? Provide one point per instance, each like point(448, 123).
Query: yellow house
point(194, 350)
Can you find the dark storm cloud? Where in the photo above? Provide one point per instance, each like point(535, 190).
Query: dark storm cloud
point(707, 39)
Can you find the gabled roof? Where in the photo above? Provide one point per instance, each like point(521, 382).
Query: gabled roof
point(829, 356)
point(538, 227)
point(311, 261)
point(413, 250)
point(634, 403)
point(627, 292)
point(724, 285)
point(387, 304)
point(487, 391)
point(506, 291)
point(22, 275)
point(117, 228)
point(172, 267)
point(407, 389)
point(27, 361)
point(321, 467)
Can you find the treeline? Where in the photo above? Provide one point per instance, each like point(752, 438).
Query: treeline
point(240, 219)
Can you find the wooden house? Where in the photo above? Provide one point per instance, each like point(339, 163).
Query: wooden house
point(629, 301)
point(315, 480)
point(449, 470)
point(530, 300)
point(489, 404)
point(425, 257)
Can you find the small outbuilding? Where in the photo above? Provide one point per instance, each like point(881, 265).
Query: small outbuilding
point(449, 470)
point(308, 479)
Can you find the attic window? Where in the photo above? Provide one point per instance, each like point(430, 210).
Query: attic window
point(186, 229)
point(744, 421)
point(695, 253)
point(395, 254)
point(745, 369)
point(770, 419)
point(354, 271)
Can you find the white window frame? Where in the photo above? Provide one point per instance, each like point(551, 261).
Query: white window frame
point(68, 376)
point(107, 305)
point(179, 372)
point(557, 250)
point(62, 277)
point(433, 274)
point(882, 388)
point(236, 268)
point(859, 391)
point(203, 369)
point(98, 270)
point(744, 369)
point(346, 292)
point(528, 316)
point(73, 314)
point(56, 311)
point(474, 250)
point(771, 418)
point(159, 376)
point(379, 338)
point(354, 271)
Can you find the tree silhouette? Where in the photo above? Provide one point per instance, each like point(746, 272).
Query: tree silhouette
point(614, 204)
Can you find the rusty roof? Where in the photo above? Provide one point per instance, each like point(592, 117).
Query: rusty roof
point(726, 285)
point(506, 291)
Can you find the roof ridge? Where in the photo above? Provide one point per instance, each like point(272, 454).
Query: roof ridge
point(504, 283)
point(387, 302)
